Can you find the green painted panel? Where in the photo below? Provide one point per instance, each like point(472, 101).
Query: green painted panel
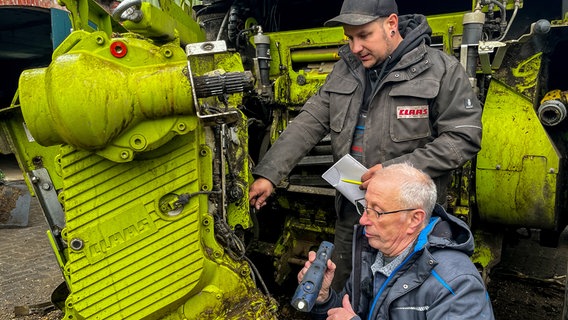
point(517, 167)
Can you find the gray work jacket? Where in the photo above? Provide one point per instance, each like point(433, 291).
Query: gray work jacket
point(423, 111)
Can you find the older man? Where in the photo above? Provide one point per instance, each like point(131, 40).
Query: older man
point(390, 99)
point(410, 258)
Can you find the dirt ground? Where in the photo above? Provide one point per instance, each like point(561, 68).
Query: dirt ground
point(525, 299)
point(529, 282)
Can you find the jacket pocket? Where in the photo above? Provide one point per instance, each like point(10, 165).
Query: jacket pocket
point(411, 112)
point(341, 93)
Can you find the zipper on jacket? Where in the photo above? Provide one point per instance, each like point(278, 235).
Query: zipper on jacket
point(422, 239)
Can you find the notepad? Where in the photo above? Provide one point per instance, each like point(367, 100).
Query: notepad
point(347, 168)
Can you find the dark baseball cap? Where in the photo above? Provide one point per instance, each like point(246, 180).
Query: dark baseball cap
point(360, 12)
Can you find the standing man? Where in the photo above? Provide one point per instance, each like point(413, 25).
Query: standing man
point(389, 99)
point(410, 258)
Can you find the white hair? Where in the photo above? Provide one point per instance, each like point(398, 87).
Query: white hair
point(417, 189)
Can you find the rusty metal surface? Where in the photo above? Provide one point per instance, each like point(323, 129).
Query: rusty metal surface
point(14, 204)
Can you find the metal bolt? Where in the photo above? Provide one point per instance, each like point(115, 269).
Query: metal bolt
point(168, 53)
point(208, 46)
point(236, 193)
point(76, 244)
point(34, 179)
point(124, 155)
point(45, 186)
point(498, 167)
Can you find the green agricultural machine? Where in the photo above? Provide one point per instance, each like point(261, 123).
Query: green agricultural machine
point(139, 130)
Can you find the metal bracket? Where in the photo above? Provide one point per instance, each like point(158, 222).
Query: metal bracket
point(539, 27)
point(208, 48)
point(52, 209)
point(487, 47)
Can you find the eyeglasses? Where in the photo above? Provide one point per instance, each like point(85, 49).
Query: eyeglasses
point(361, 208)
